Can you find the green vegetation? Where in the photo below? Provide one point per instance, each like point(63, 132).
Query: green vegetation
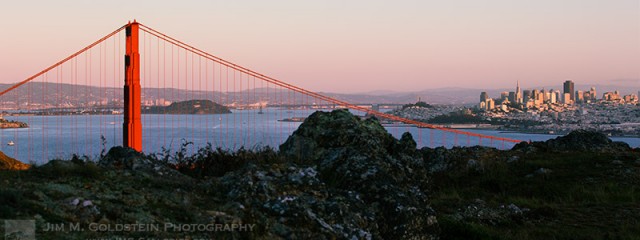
point(583, 196)
point(580, 196)
point(47, 193)
point(76, 167)
point(210, 162)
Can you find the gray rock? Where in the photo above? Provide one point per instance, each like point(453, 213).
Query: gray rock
point(381, 179)
point(475, 165)
point(479, 211)
point(514, 209)
point(543, 171)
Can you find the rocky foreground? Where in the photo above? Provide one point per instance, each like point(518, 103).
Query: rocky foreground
point(338, 177)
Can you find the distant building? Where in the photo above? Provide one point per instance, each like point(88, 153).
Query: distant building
point(569, 88)
point(530, 103)
point(526, 95)
point(504, 96)
point(518, 94)
point(484, 96)
point(505, 106)
point(566, 98)
point(491, 104)
point(486, 103)
point(534, 94)
point(579, 98)
point(512, 97)
point(538, 99)
point(631, 98)
point(546, 95)
point(611, 96)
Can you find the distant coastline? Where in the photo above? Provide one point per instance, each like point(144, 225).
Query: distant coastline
point(4, 123)
point(188, 107)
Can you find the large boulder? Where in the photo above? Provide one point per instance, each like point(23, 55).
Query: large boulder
point(9, 163)
point(351, 154)
point(338, 129)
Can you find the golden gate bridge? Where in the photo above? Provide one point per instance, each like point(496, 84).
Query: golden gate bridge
point(172, 70)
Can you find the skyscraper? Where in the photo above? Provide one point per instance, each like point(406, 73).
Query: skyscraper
point(518, 96)
point(484, 96)
point(569, 88)
point(579, 96)
point(526, 95)
point(504, 96)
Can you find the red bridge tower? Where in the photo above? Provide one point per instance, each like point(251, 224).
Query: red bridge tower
point(132, 128)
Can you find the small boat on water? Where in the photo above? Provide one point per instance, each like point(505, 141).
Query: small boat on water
point(260, 112)
point(11, 143)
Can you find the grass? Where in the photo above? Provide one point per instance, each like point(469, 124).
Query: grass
point(584, 197)
point(210, 162)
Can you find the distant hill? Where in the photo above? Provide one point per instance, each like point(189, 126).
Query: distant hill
point(50, 95)
point(188, 107)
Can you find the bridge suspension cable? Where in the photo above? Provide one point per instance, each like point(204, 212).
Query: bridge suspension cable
point(311, 93)
point(63, 60)
point(76, 104)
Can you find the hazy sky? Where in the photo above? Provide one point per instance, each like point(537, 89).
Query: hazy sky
point(356, 46)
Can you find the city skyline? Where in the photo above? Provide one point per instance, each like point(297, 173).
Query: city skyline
point(556, 100)
point(358, 46)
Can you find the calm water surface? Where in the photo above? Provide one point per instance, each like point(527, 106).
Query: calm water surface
point(50, 137)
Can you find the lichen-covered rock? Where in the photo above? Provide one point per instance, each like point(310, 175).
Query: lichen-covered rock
point(361, 157)
point(478, 211)
point(334, 130)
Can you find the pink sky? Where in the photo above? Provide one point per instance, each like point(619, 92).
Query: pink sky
point(356, 46)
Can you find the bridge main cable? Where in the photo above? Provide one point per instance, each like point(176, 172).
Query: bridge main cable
point(310, 93)
point(63, 60)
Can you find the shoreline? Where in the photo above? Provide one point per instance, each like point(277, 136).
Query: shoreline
point(6, 124)
point(562, 133)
